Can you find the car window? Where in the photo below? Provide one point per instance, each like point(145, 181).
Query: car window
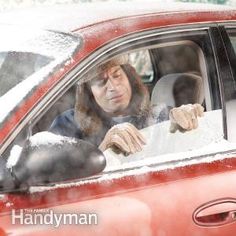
point(111, 108)
point(141, 61)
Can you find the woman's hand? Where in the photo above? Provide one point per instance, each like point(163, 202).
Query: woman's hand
point(126, 137)
point(186, 116)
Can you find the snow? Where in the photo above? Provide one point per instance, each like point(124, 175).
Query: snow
point(47, 138)
point(41, 138)
point(18, 93)
point(14, 156)
point(231, 114)
point(9, 204)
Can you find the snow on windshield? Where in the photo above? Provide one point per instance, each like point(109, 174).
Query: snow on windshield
point(15, 86)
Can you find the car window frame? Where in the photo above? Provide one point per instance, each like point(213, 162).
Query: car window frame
point(229, 77)
point(112, 49)
point(108, 51)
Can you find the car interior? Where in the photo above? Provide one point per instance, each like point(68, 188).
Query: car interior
point(169, 63)
point(172, 89)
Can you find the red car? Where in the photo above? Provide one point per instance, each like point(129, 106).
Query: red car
point(181, 183)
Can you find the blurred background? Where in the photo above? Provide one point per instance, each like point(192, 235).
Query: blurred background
point(12, 4)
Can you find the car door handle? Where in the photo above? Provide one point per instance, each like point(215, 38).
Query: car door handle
point(215, 213)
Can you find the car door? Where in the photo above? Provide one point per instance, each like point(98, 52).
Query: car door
point(179, 186)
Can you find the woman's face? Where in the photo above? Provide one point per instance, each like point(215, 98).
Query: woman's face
point(112, 90)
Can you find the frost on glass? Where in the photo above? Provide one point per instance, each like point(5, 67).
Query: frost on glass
point(27, 56)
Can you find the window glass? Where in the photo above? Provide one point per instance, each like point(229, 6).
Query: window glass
point(141, 61)
point(33, 50)
point(17, 66)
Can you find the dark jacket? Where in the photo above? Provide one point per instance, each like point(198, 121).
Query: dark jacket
point(66, 125)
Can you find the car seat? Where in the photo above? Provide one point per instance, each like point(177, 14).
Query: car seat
point(177, 89)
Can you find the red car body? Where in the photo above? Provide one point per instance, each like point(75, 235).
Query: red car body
point(160, 202)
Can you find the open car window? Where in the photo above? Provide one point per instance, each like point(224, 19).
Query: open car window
point(84, 111)
point(170, 88)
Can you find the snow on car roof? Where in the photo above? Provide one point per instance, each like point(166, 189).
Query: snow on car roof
point(70, 17)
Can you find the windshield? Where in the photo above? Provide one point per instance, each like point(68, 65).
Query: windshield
point(17, 66)
point(23, 54)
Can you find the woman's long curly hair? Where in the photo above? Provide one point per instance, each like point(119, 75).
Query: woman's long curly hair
point(92, 119)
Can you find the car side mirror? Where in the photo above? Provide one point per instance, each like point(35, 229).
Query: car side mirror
point(54, 162)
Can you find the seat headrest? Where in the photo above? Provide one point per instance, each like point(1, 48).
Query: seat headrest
point(177, 89)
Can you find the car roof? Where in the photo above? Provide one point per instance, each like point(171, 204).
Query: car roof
point(71, 17)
